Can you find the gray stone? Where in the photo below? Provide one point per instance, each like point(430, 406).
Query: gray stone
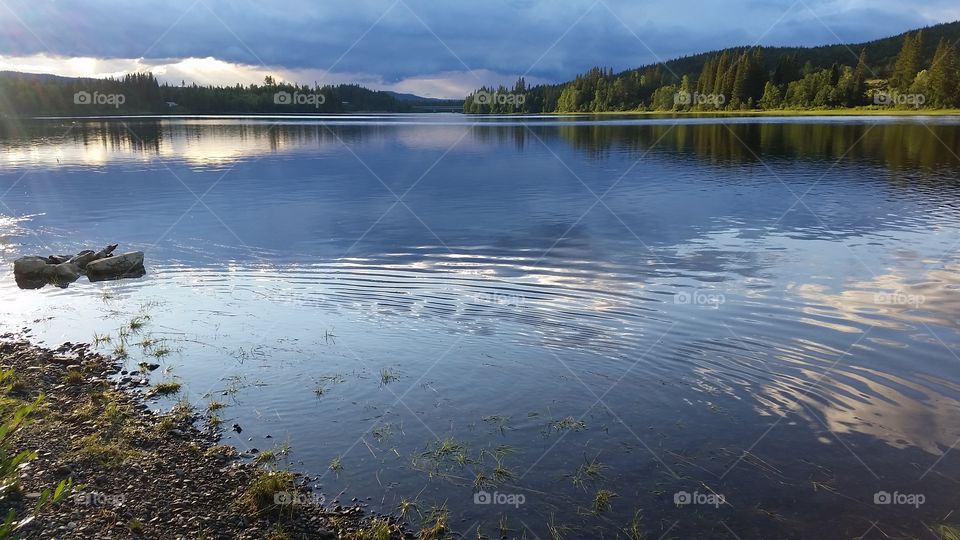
point(83, 258)
point(65, 273)
point(117, 266)
point(30, 266)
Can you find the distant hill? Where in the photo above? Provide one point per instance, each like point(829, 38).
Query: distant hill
point(740, 74)
point(31, 94)
point(881, 53)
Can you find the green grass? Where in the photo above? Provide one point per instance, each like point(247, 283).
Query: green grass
point(74, 376)
point(378, 529)
point(134, 525)
point(336, 464)
point(260, 497)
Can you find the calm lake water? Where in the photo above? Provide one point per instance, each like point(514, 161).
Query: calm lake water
point(749, 327)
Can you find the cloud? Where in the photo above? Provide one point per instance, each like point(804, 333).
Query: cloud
point(429, 44)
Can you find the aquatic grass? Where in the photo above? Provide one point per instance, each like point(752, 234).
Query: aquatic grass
point(504, 449)
point(947, 532)
point(481, 481)
point(634, 529)
point(568, 423)
point(160, 351)
point(266, 456)
point(589, 471)
point(99, 339)
point(407, 506)
point(387, 376)
point(166, 388)
point(503, 526)
point(138, 322)
point(499, 422)
point(214, 421)
point(436, 524)
point(215, 405)
point(462, 459)
point(382, 432)
point(336, 464)
point(120, 351)
point(446, 447)
point(501, 473)
point(602, 500)
point(557, 532)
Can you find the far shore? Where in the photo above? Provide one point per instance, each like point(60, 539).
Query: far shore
point(753, 113)
point(773, 112)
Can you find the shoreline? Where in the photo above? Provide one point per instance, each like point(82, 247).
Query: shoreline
point(140, 473)
point(757, 113)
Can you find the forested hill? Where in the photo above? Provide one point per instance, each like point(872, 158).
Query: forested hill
point(635, 89)
point(25, 94)
point(881, 53)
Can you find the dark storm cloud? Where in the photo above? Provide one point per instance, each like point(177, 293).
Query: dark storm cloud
point(406, 38)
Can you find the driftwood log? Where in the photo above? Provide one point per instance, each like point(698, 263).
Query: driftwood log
point(62, 270)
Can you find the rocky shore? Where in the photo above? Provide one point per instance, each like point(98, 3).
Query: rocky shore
point(139, 473)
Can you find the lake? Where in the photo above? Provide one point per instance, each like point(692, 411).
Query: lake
point(568, 326)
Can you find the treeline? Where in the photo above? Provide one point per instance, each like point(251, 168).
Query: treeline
point(744, 79)
point(140, 93)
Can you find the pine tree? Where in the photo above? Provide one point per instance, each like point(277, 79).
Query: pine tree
point(859, 89)
point(943, 78)
point(908, 62)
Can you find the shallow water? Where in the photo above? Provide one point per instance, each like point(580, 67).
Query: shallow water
point(764, 309)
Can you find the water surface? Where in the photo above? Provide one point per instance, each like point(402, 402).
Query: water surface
point(763, 309)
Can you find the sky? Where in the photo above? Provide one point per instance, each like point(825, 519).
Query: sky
point(434, 48)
